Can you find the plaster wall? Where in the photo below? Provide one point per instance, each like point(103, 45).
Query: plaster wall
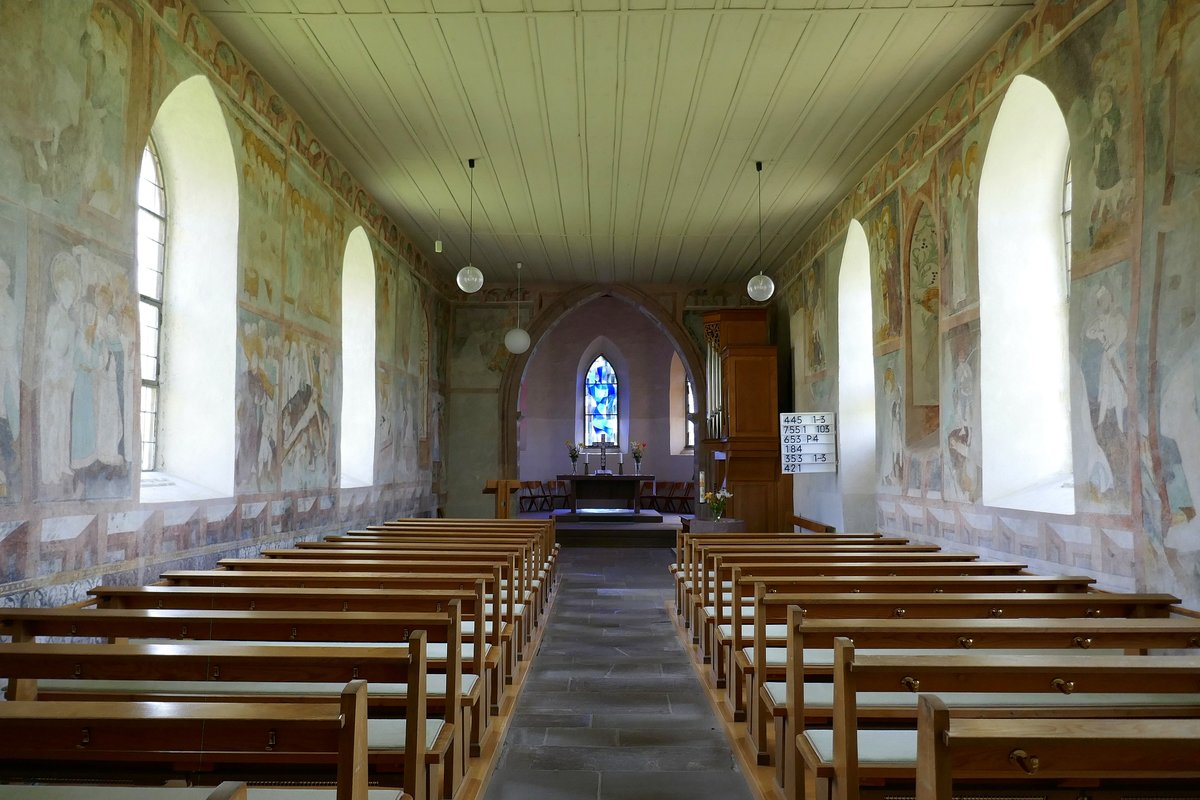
point(80, 86)
point(1126, 76)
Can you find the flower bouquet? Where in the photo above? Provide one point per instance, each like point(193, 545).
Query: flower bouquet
point(637, 450)
point(573, 449)
point(716, 502)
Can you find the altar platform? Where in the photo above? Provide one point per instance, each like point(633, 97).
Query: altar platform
point(612, 527)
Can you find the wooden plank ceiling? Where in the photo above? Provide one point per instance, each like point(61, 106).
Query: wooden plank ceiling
point(615, 139)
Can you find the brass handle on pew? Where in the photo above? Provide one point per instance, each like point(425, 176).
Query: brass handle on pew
point(1092, 612)
point(85, 738)
point(965, 642)
point(997, 612)
point(899, 612)
point(912, 684)
point(1029, 764)
point(1064, 686)
point(1082, 642)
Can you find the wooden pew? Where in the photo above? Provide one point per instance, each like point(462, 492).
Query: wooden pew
point(812, 640)
point(1007, 754)
point(323, 631)
point(240, 672)
point(375, 575)
point(706, 556)
point(1096, 682)
point(514, 625)
point(527, 598)
point(538, 573)
point(541, 530)
point(110, 739)
point(774, 609)
point(228, 790)
point(734, 636)
point(479, 656)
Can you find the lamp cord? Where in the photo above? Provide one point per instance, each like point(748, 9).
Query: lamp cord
point(471, 218)
point(758, 166)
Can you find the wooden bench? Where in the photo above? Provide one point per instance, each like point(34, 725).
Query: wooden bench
point(521, 570)
point(239, 672)
point(163, 740)
point(306, 650)
point(774, 609)
point(375, 575)
point(1007, 754)
point(1049, 686)
point(229, 790)
point(734, 636)
point(479, 653)
point(811, 642)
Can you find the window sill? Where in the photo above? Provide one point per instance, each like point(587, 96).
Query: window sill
point(161, 487)
point(1055, 495)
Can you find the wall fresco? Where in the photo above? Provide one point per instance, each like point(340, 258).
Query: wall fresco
point(313, 246)
point(816, 328)
point(1101, 417)
point(882, 225)
point(924, 307)
point(13, 271)
point(259, 390)
point(960, 163)
point(962, 447)
point(85, 418)
point(261, 190)
point(889, 421)
point(310, 399)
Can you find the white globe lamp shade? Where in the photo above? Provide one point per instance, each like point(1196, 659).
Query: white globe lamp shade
point(470, 279)
point(760, 288)
point(516, 341)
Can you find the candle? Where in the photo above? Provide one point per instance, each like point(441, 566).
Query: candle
point(622, 460)
point(702, 483)
point(586, 456)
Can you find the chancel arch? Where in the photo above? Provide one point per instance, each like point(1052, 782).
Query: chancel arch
point(547, 330)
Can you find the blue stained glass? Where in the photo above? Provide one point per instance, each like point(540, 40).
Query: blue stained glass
point(600, 403)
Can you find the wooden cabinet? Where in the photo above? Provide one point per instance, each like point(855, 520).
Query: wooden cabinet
point(742, 448)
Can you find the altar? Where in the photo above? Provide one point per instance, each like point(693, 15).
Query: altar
point(605, 487)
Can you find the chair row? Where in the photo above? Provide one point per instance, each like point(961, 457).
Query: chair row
point(774, 616)
point(448, 600)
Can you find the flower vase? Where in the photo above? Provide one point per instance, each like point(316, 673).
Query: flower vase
point(716, 515)
point(574, 466)
point(637, 466)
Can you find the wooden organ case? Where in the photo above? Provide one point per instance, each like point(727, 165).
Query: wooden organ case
point(741, 448)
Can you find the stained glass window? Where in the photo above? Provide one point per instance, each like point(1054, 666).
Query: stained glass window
point(600, 403)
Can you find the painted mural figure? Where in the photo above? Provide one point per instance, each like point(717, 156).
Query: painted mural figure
point(1109, 327)
point(893, 441)
point(10, 376)
point(1106, 165)
point(109, 350)
point(58, 372)
point(1180, 421)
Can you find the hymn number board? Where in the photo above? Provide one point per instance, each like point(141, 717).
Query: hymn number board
point(808, 441)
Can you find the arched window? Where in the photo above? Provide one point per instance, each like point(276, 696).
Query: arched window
point(151, 260)
point(683, 408)
point(1024, 385)
point(194, 438)
point(358, 362)
point(601, 412)
point(856, 384)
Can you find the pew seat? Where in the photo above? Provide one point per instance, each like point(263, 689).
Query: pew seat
point(1122, 757)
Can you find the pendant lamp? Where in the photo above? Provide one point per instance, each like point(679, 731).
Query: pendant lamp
point(470, 279)
point(516, 341)
point(760, 287)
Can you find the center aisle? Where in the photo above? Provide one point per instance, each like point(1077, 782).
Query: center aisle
point(611, 708)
